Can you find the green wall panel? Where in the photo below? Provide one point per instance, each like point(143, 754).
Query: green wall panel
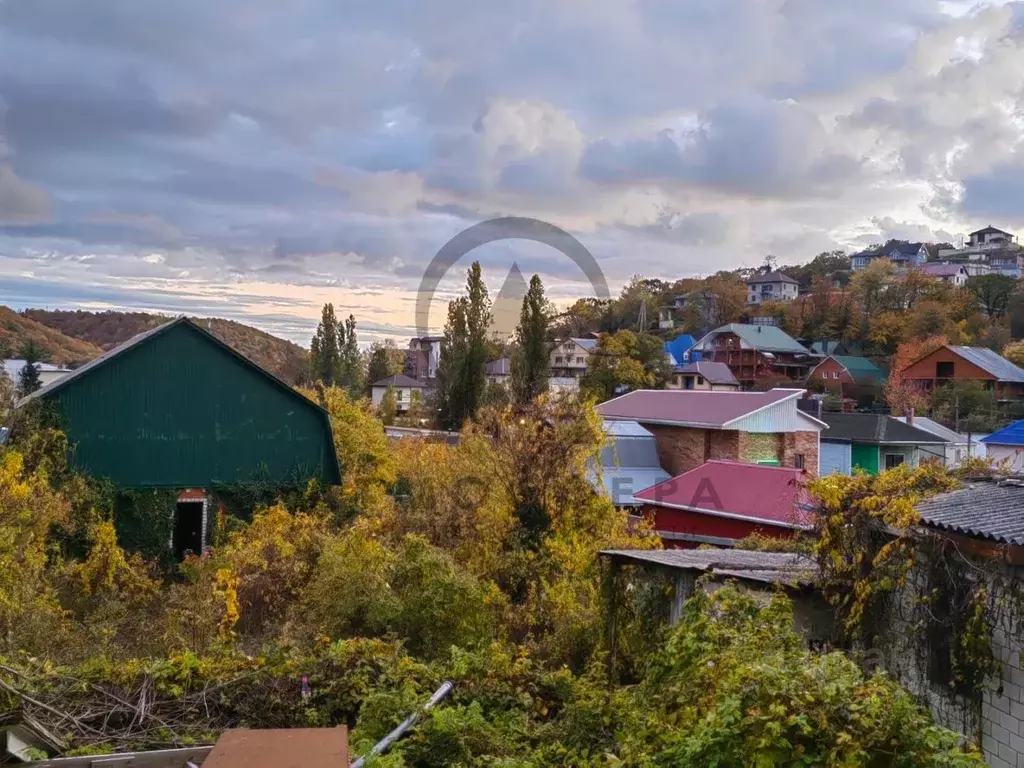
point(865, 457)
point(179, 410)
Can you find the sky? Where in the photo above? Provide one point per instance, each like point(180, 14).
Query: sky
point(253, 159)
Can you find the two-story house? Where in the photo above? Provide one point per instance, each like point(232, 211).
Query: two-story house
point(570, 357)
point(988, 250)
point(992, 237)
point(771, 286)
point(422, 358)
point(862, 259)
point(956, 363)
point(908, 255)
point(904, 255)
point(692, 427)
point(756, 352)
point(954, 274)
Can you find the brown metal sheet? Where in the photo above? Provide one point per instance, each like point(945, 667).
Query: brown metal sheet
point(281, 748)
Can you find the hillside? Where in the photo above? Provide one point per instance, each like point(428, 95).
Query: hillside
point(57, 348)
point(103, 330)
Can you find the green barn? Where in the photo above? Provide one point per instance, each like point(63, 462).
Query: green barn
point(176, 408)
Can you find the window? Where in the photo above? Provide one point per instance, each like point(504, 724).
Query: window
point(399, 394)
point(835, 374)
point(700, 380)
point(943, 370)
point(894, 460)
point(799, 461)
point(558, 358)
point(579, 361)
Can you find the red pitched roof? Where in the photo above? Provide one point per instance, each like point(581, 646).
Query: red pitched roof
point(763, 494)
point(690, 407)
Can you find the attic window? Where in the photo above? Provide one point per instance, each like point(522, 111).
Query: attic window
point(944, 370)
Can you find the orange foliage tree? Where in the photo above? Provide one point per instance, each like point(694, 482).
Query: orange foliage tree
point(899, 393)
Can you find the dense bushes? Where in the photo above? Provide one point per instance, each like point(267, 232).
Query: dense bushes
point(474, 563)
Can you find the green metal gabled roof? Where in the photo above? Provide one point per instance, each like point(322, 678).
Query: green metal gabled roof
point(860, 367)
point(768, 338)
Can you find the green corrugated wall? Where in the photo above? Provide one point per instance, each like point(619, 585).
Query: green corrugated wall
point(865, 457)
point(178, 410)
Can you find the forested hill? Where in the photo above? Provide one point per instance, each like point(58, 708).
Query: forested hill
point(97, 331)
point(54, 347)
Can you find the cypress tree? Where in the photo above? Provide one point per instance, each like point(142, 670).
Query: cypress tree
point(325, 354)
point(531, 363)
point(462, 370)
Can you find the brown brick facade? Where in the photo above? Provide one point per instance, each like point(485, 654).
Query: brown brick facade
point(804, 444)
point(681, 449)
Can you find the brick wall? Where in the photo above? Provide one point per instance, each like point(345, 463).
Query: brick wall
point(806, 443)
point(681, 449)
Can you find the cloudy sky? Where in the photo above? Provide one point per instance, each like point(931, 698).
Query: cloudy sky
point(255, 158)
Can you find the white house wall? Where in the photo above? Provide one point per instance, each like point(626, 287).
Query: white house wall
point(1012, 454)
point(778, 417)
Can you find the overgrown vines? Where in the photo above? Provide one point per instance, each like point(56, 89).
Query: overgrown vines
point(887, 575)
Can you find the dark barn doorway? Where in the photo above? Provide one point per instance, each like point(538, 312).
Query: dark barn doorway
point(188, 529)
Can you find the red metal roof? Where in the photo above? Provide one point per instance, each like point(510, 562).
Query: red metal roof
point(690, 407)
point(773, 495)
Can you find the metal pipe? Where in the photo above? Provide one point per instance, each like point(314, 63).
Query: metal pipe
point(388, 741)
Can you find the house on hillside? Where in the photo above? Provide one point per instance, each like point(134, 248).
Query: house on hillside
point(905, 255)
point(862, 259)
point(692, 427)
point(499, 371)
point(1005, 448)
point(771, 286)
point(991, 236)
point(714, 377)
point(629, 463)
point(571, 357)
point(677, 351)
point(832, 347)
point(721, 502)
point(47, 373)
point(956, 363)
point(756, 353)
point(423, 357)
point(954, 274)
point(405, 389)
point(175, 408)
point(908, 255)
point(848, 375)
point(959, 447)
point(875, 442)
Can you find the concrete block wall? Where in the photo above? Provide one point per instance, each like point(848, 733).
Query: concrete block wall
point(997, 719)
point(1002, 706)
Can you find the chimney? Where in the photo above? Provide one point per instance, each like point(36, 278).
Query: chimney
point(910, 417)
point(821, 404)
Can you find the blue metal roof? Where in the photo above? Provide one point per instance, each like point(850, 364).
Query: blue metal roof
point(1011, 435)
point(587, 344)
point(679, 346)
point(991, 362)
